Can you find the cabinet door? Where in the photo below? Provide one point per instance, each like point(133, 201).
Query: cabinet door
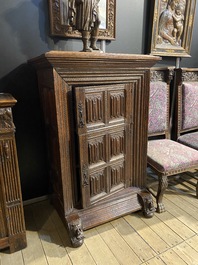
point(103, 115)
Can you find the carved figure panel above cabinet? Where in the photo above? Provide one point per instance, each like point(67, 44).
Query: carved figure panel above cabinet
point(96, 114)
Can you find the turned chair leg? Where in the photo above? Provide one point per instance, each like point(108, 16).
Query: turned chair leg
point(163, 184)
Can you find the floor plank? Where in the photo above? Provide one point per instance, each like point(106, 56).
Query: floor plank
point(133, 239)
point(188, 254)
point(168, 238)
point(176, 225)
point(154, 261)
point(34, 253)
point(121, 250)
point(170, 257)
point(184, 217)
point(184, 205)
point(52, 244)
point(193, 242)
point(12, 259)
point(99, 250)
point(152, 239)
point(81, 256)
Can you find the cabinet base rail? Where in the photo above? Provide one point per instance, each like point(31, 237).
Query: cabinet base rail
point(128, 201)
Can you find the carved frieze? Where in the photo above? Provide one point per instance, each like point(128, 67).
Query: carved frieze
point(6, 122)
point(161, 75)
point(189, 76)
point(157, 76)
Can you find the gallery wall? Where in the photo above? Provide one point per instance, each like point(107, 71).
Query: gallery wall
point(24, 34)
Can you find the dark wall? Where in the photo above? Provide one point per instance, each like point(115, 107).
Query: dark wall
point(24, 34)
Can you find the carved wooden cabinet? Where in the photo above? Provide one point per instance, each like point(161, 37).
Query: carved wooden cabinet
point(12, 225)
point(96, 113)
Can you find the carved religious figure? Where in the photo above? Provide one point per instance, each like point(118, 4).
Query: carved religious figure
point(171, 23)
point(84, 16)
point(6, 118)
point(172, 27)
point(178, 22)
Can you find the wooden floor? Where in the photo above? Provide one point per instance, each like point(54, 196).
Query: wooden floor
point(167, 238)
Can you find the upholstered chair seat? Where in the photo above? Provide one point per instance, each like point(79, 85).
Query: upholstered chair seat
point(189, 139)
point(169, 157)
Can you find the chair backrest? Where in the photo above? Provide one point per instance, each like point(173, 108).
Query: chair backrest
point(159, 103)
point(186, 100)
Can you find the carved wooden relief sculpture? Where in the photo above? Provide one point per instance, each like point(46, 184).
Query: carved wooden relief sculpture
point(85, 18)
point(69, 17)
point(172, 27)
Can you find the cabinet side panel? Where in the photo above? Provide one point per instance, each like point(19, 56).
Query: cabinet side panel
point(140, 97)
point(55, 97)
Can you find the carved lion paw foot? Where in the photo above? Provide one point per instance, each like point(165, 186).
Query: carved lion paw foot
point(160, 208)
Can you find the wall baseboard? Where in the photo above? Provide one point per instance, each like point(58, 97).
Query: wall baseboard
point(35, 200)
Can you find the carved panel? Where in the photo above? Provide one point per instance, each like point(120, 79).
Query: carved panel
point(157, 76)
point(162, 74)
point(97, 183)
point(12, 193)
point(94, 108)
point(85, 175)
point(80, 114)
point(117, 104)
point(6, 122)
point(9, 171)
point(189, 76)
point(96, 150)
point(117, 144)
point(117, 175)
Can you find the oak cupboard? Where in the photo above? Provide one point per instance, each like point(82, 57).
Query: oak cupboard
point(95, 109)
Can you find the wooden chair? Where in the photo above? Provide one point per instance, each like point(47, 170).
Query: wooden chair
point(187, 106)
point(165, 156)
point(186, 114)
